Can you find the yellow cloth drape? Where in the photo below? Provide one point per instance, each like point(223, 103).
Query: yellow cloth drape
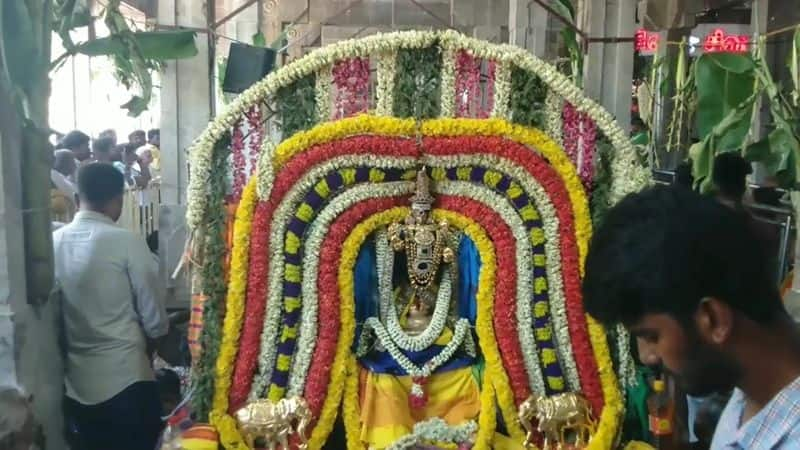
point(386, 415)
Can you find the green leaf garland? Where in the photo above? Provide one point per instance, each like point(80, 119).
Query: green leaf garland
point(297, 105)
point(213, 283)
point(599, 202)
point(529, 94)
point(418, 83)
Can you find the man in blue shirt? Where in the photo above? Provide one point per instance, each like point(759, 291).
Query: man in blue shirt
point(688, 277)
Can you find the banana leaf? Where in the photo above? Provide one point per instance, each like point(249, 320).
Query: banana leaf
point(19, 44)
point(157, 45)
point(778, 153)
point(724, 81)
point(719, 140)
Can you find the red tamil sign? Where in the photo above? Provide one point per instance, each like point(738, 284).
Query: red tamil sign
point(646, 41)
point(718, 42)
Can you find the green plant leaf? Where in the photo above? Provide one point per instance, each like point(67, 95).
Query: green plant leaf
point(20, 43)
point(259, 40)
point(158, 45)
point(723, 82)
point(777, 152)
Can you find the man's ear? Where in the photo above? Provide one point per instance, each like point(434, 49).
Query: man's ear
point(714, 321)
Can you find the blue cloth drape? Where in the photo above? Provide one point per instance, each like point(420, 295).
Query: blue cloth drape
point(469, 266)
point(366, 281)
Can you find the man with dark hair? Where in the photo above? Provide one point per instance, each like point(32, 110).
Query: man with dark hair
point(78, 142)
point(110, 134)
point(687, 278)
point(112, 304)
point(101, 150)
point(730, 178)
point(137, 139)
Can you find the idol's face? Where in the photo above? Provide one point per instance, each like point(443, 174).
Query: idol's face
point(700, 367)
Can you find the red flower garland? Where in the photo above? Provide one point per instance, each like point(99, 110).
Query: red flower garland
point(468, 84)
point(351, 78)
point(318, 378)
point(505, 295)
point(256, 130)
point(580, 140)
point(550, 180)
point(491, 70)
point(239, 162)
point(517, 153)
point(255, 304)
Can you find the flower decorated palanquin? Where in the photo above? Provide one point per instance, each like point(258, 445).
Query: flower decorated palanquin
point(408, 259)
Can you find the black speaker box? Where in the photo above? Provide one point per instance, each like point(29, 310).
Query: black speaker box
point(246, 65)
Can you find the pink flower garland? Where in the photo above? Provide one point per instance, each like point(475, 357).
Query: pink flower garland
point(580, 141)
point(468, 84)
point(256, 130)
point(239, 163)
point(351, 78)
point(491, 69)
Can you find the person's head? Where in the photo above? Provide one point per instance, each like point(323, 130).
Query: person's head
point(129, 155)
point(683, 175)
point(154, 137)
point(17, 429)
point(730, 176)
point(169, 389)
point(117, 151)
point(110, 134)
point(101, 149)
point(687, 277)
point(137, 138)
point(100, 189)
point(78, 142)
point(64, 162)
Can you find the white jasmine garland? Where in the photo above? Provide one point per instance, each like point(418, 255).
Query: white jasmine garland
point(385, 263)
point(550, 225)
point(436, 430)
point(627, 369)
point(384, 92)
point(524, 269)
point(627, 174)
point(502, 90)
point(283, 214)
point(307, 332)
point(448, 86)
point(322, 93)
point(264, 171)
point(447, 353)
point(554, 122)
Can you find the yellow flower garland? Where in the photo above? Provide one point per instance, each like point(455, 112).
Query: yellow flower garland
point(495, 377)
point(351, 409)
point(537, 140)
point(234, 307)
point(389, 126)
point(608, 427)
point(347, 326)
point(494, 374)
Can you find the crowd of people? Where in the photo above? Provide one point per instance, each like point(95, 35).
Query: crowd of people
point(139, 161)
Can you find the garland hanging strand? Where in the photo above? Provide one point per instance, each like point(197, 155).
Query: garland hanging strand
point(213, 284)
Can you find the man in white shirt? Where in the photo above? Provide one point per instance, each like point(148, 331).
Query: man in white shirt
point(64, 166)
point(112, 304)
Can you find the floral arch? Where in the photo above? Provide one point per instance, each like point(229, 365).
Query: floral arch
point(519, 161)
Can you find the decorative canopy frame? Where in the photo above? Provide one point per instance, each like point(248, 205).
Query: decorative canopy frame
point(521, 160)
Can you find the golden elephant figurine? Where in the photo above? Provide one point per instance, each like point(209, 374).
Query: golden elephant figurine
point(274, 422)
point(556, 415)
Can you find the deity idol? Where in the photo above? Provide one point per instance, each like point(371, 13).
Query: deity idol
point(417, 357)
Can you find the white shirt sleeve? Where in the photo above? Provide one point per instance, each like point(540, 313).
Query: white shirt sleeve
point(147, 290)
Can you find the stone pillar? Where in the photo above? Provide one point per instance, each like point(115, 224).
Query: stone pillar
point(527, 26)
point(608, 67)
point(186, 109)
point(29, 352)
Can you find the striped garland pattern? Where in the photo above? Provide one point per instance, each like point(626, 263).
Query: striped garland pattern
point(510, 180)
